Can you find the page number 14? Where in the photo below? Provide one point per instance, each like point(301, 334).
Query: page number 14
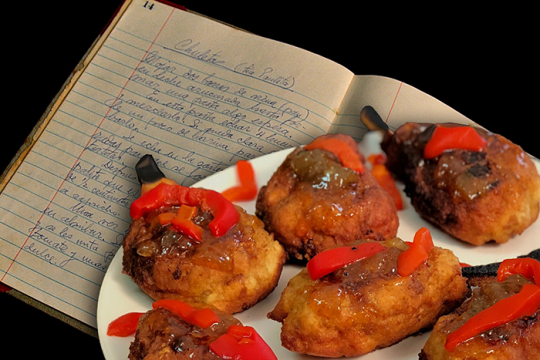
point(149, 5)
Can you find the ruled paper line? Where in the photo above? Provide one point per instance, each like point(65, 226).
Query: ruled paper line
point(221, 67)
point(65, 179)
point(48, 293)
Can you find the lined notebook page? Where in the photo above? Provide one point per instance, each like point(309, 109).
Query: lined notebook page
point(195, 94)
point(396, 103)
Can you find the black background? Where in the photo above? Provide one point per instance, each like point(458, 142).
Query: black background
point(478, 61)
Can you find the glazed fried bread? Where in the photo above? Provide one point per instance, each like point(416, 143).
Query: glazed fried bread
point(232, 272)
point(476, 196)
point(163, 335)
point(366, 305)
point(313, 202)
point(517, 339)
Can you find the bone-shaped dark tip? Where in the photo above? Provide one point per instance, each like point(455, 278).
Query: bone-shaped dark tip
point(147, 170)
point(372, 119)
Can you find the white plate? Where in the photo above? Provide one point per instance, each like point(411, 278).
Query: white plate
point(120, 295)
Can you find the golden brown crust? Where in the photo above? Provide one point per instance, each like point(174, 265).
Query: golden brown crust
point(162, 335)
point(379, 308)
point(231, 273)
point(519, 339)
point(477, 197)
point(312, 202)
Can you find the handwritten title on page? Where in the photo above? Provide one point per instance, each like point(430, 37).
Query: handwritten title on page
point(166, 83)
point(204, 110)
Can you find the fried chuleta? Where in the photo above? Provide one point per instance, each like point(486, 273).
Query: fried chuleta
point(193, 245)
point(322, 195)
point(174, 330)
point(353, 299)
point(475, 185)
point(500, 321)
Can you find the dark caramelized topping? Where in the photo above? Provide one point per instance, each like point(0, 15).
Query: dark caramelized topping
point(474, 158)
point(162, 332)
point(464, 180)
point(485, 297)
point(464, 174)
point(212, 252)
point(354, 279)
point(322, 169)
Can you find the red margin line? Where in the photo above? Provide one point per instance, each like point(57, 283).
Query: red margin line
point(84, 149)
point(394, 102)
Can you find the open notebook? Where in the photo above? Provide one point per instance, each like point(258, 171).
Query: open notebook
point(196, 94)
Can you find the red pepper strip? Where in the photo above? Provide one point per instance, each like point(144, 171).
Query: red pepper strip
point(333, 259)
point(182, 222)
point(186, 212)
point(411, 259)
point(524, 303)
point(125, 325)
point(424, 239)
point(385, 179)
point(242, 343)
point(161, 195)
point(377, 159)
point(225, 213)
point(166, 218)
point(189, 228)
point(448, 138)
point(528, 267)
point(416, 254)
point(247, 190)
point(348, 157)
point(203, 318)
point(177, 307)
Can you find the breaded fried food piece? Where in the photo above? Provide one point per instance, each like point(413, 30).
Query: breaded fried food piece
point(476, 196)
point(163, 335)
point(366, 305)
point(313, 202)
point(517, 339)
point(231, 272)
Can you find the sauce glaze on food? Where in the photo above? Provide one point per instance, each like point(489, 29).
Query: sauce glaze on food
point(231, 272)
point(313, 202)
point(366, 305)
point(476, 196)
